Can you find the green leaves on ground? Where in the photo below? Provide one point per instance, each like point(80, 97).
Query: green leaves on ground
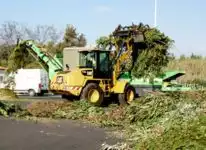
point(174, 120)
point(7, 109)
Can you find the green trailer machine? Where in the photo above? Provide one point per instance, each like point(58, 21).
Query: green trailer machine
point(164, 83)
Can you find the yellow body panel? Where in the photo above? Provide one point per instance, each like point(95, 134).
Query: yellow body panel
point(119, 86)
point(70, 83)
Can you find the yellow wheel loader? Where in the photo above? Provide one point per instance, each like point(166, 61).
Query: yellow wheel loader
point(97, 74)
point(92, 79)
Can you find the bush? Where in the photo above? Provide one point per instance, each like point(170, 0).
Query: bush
point(6, 94)
point(7, 109)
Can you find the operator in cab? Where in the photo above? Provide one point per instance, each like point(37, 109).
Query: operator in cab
point(67, 68)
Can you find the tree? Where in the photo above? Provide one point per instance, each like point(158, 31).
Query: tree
point(47, 38)
point(10, 31)
point(43, 34)
point(103, 42)
point(73, 38)
point(193, 56)
point(70, 36)
point(82, 40)
point(182, 57)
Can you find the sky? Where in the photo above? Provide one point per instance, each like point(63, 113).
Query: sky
point(182, 20)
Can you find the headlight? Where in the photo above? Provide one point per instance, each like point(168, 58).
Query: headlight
point(87, 72)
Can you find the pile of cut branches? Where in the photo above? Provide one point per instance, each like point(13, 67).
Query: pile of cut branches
point(175, 116)
point(8, 109)
point(166, 121)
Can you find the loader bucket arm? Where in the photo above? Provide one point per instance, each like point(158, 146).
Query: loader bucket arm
point(125, 40)
point(49, 63)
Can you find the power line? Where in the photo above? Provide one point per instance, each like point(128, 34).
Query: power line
point(155, 14)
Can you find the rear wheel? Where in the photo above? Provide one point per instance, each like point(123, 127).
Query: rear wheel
point(128, 96)
point(32, 92)
point(93, 94)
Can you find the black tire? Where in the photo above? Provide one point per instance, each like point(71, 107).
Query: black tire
point(40, 94)
point(64, 96)
point(123, 99)
point(86, 94)
point(31, 92)
point(68, 97)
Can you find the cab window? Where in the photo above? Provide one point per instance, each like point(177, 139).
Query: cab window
point(104, 62)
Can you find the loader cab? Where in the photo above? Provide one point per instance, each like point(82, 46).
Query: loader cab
point(98, 60)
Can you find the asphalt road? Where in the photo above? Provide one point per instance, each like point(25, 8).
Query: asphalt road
point(61, 135)
point(47, 97)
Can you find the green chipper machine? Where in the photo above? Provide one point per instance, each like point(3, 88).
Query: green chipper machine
point(167, 82)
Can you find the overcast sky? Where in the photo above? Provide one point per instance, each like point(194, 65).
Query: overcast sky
point(183, 20)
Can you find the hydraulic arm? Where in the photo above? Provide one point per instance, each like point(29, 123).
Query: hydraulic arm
point(127, 41)
point(49, 63)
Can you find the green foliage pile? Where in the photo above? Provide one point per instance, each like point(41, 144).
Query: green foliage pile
point(46, 108)
point(186, 135)
point(6, 94)
point(163, 121)
point(155, 55)
point(7, 109)
point(174, 120)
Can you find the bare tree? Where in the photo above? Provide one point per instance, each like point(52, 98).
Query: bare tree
point(10, 31)
point(43, 34)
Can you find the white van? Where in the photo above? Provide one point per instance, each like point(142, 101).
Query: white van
point(31, 81)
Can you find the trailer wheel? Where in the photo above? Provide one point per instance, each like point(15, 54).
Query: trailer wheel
point(93, 94)
point(128, 96)
point(32, 92)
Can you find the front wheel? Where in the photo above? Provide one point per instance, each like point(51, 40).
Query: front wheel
point(128, 96)
point(93, 94)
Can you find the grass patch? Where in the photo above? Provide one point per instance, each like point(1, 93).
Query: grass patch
point(6, 94)
point(195, 70)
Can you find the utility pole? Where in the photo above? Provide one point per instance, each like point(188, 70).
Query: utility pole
point(155, 14)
